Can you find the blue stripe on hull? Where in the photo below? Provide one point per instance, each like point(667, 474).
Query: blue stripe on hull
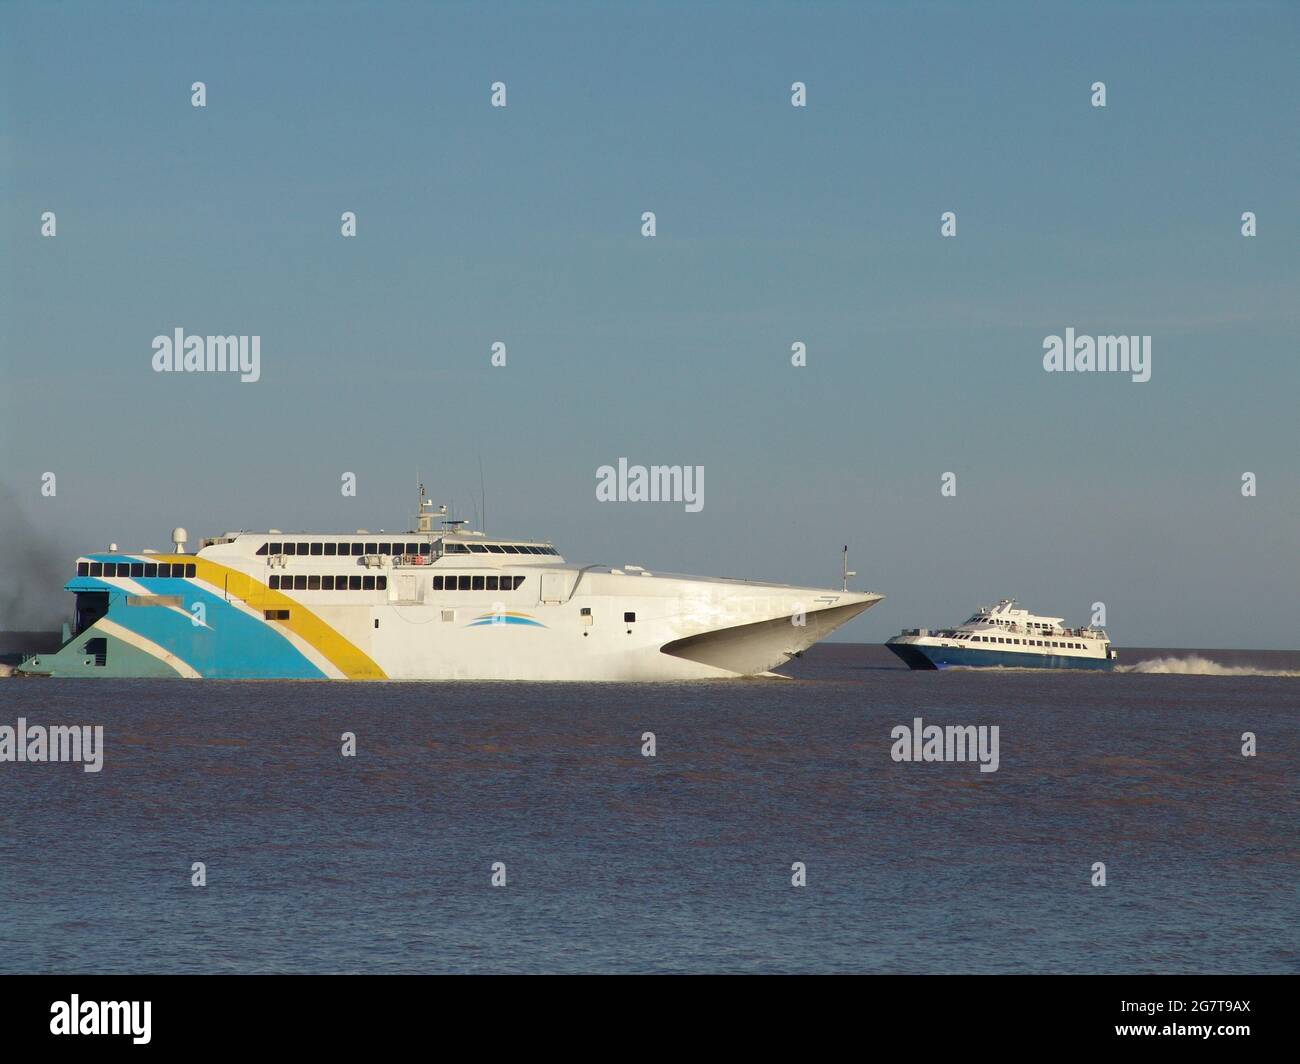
point(923, 657)
point(232, 645)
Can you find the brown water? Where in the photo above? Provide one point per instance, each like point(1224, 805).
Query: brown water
point(681, 862)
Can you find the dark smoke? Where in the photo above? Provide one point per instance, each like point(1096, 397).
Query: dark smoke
point(33, 570)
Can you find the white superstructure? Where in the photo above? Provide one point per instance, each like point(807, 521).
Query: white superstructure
point(438, 603)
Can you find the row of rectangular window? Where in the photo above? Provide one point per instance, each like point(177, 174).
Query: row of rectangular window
point(1027, 642)
point(148, 570)
point(497, 548)
point(327, 582)
point(334, 550)
point(476, 583)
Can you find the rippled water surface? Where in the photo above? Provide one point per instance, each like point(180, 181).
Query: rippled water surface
point(681, 862)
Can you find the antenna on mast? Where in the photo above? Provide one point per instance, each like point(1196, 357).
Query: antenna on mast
point(845, 571)
point(425, 513)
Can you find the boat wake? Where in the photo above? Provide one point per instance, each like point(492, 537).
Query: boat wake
point(1195, 665)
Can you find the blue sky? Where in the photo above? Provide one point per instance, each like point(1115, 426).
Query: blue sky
point(775, 224)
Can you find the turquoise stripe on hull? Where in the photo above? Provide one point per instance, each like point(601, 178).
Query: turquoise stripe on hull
point(232, 645)
point(120, 660)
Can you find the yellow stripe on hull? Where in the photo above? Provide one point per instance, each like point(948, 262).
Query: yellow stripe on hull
point(345, 656)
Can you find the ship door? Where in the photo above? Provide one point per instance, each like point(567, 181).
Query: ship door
point(553, 586)
point(406, 587)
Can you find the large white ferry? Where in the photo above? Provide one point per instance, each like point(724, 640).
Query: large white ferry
point(1004, 636)
point(443, 603)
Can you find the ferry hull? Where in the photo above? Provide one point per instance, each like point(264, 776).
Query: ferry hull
point(564, 624)
point(917, 656)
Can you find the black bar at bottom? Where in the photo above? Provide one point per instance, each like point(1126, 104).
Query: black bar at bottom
point(348, 1013)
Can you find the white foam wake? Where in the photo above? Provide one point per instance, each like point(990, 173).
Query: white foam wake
point(1195, 665)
